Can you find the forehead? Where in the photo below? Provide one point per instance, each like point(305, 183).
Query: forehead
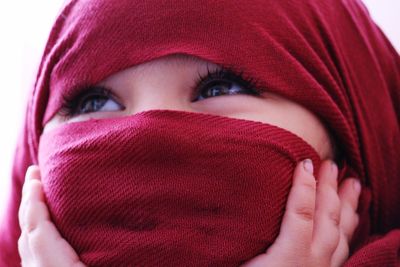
point(93, 40)
point(183, 64)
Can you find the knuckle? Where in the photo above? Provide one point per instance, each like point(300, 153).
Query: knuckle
point(28, 217)
point(21, 243)
point(334, 217)
point(304, 207)
point(350, 217)
point(305, 213)
point(329, 205)
point(37, 241)
point(309, 186)
point(334, 212)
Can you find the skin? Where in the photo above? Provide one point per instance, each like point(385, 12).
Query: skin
point(319, 220)
point(165, 84)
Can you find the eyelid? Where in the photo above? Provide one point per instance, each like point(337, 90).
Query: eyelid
point(71, 103)
point(228, 75)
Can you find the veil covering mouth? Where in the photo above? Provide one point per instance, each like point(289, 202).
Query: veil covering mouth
point(328, 56)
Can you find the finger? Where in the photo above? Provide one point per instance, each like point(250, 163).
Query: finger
point(295, 235)
point(349, 194)
point(341, 253)
point(326, 233)
point(24, 251)
point(50, 249)
point(298, 220)
point(35, 208)
point(32, 173)
point(45, 244)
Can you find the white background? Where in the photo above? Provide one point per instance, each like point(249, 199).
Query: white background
point(24, 26)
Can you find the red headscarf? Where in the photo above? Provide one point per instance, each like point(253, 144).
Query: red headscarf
point(326, 55)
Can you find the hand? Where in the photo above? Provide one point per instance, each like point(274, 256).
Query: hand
point(316, 228)
point(40, 244)
point(318, 223)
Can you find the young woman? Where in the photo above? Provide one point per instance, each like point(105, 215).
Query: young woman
point(176, 133)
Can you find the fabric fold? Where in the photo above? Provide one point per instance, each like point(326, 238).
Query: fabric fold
point(165, 188)
point(328, 56)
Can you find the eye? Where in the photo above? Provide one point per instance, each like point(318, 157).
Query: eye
point(92, 99)
point(223, 82)
point(221, 88)
point(96, 103)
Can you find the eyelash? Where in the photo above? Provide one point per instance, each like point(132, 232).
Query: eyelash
point(248, 84)
point(71, 103)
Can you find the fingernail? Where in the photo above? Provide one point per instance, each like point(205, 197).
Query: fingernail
point(308, 166)
point(32, 173)
point(28, 174)
point(357, 186)
point(334, 166)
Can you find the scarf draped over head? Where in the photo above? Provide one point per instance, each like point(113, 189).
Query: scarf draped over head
point(325, 55)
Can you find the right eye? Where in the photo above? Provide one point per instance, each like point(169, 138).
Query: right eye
point(95, 99)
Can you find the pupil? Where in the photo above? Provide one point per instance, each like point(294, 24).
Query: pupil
point(216, 91)
point(219, 89)
point(93, 104)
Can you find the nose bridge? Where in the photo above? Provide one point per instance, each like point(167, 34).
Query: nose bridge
point(163, 84)
point(153, 105)
point(160, 97)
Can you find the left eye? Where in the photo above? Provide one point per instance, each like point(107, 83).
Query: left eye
point(96, 103)
point(90, 100)
point(224, 82)
point(220, 88)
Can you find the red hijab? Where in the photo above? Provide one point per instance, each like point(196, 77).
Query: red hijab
point(326, 55)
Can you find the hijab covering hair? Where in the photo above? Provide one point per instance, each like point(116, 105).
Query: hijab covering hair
point(328, 56)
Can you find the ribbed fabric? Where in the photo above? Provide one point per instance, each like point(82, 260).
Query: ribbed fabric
point(378, 253)
point(325, 55)
point(169, 188)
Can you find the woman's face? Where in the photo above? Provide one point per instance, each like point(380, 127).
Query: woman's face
point(189, 84)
